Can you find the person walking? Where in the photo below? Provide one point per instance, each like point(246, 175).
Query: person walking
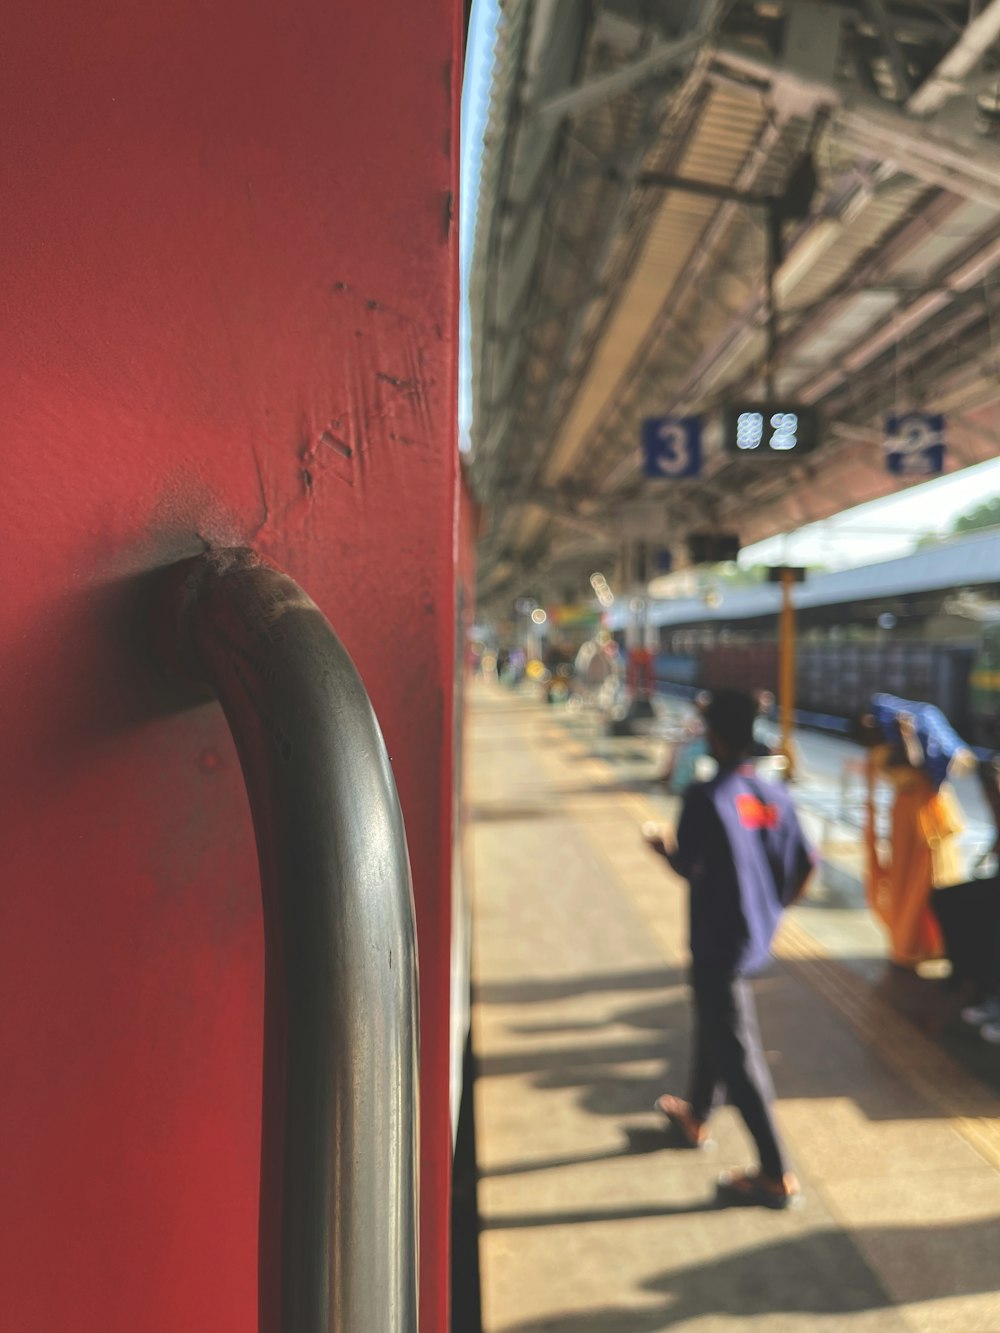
point(741, 849)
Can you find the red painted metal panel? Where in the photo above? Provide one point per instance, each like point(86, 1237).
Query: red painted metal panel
point(229, 276)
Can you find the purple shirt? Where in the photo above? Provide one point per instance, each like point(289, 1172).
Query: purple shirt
point(740, 846)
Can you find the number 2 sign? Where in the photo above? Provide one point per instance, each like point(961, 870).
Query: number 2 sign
point(671, 447)
point(914, 444)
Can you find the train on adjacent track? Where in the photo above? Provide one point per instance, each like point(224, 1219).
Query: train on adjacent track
point(925, 627)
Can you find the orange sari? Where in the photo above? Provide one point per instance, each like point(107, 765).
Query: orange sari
point(924, 856)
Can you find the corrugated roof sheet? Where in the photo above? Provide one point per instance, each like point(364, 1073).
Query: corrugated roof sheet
point(594, 336)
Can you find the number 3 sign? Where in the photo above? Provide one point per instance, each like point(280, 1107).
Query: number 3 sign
point(671, 447)
point(914, 444)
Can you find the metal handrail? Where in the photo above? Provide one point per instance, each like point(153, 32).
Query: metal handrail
point(338, 1185)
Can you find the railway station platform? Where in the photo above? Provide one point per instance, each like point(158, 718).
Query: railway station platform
point(589, 1223)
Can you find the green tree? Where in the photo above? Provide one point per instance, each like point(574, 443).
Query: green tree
point(739, 575)
point(982, 516)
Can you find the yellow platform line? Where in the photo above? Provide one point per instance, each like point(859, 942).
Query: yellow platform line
point(928, 1070)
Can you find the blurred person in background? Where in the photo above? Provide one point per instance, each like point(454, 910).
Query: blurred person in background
point(689, 746)
point(516, 662)
point(593, 664)
point(914, 747)
point(970, 919)
point(684, 756)
point(762, 723)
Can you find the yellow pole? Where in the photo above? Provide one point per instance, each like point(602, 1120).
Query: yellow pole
point(787, 667)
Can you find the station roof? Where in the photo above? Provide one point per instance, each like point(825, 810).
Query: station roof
point(602, 293)
point(965, 564)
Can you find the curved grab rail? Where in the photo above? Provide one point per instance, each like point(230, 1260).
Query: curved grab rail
point(338, 1192)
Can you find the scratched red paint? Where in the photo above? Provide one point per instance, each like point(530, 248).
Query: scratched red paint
point(223, 241)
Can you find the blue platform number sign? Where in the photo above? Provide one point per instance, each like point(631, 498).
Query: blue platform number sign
point(914, 444)
point(671, 447)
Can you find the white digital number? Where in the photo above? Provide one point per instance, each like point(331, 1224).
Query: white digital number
point(786, 431)
point(749, 430)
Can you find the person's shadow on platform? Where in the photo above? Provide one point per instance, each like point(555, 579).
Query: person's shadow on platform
point(598, 1067)
point(792, 1015)
point(638, 1141)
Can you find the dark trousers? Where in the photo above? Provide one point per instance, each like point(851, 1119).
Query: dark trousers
point(729, 1061)
point(969, 917)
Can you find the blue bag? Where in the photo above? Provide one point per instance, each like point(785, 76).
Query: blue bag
point(938, 739)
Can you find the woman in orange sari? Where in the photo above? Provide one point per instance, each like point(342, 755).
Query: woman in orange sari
point(926, 822)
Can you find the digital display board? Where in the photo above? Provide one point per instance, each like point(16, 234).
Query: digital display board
point(775, 429)
point(712, 548)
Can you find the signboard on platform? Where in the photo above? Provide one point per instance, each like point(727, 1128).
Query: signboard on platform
point(915, 444)
point(671, 447)
point(712, 548)
point(774, 429)
point(575, 617)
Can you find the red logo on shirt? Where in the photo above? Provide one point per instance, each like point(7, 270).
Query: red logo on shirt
point(754, 814)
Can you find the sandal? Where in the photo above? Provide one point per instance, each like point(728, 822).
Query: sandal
point(685, 1127)
point(750, 1189)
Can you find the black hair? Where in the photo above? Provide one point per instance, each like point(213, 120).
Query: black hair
point(865, 730)
point(731, 716)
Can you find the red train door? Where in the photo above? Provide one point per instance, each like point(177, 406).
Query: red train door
point(229, 320)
